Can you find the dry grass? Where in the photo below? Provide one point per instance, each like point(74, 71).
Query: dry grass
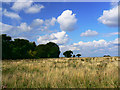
point(97, 72)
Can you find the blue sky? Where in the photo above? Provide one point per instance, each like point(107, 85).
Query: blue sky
point(89, 28)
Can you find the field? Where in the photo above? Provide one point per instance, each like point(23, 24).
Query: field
point(94, 72)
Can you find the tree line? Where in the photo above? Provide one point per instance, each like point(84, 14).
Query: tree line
point(69, 54)
point(23, 49)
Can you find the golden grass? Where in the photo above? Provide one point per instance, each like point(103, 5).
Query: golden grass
point(97, 72)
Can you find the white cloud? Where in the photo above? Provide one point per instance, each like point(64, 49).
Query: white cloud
point(95, 43)
point(89, 33)
point(50, 21)
point(114, 3)
point(37, 22)
point(111, 34)
point(21, 4)
point(116, 41)
point(19, 38)
point(24, 27)
point(27, 6)
point(0, 9)
point(43, 25)
point(34, 9)
point(59, 38)
point(67, 20)
point(110, 17)
point(0, 13)
point(4, 27)
point(11, 14)
point(93, 48)
point(14, 30)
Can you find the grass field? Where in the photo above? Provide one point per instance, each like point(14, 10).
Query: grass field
point(95, 72)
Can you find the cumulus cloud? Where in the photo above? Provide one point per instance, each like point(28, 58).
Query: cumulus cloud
point(50, 21)
point(67, 20)
point(43, 25)
point(59, 38)
point(27, 6)
point(4, 27)
point(34, 9)
point(24, 27)
point(37, 22)
point(93, 48)
point(14, 30)
point(21, 4)
point(99, 43)
point(116, 41)
point(11, 14)
point(110, 17)
point(89, 33)
point(37, 26)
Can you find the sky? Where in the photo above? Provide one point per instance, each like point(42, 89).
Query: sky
point(88, 28)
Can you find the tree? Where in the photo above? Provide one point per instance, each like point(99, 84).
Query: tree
point(53, 50)
point(6, 46)
point(68, 53)
point(73, 55)
point(21, 49)
point(78, 55)
point(41, 51)
point(106, 56)
point(49, 50)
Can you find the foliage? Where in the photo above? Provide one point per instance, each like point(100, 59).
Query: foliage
point(78, 55)
point(73, 55)
point(68, 53)
point(106, 56)
point(53, 50)
point(6, 47)
point(49, 50)
point(23, 49)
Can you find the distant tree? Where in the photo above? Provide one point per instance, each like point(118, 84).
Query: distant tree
point(78, 55)
point(73, 55)
point(68, 53)
point(106, 56)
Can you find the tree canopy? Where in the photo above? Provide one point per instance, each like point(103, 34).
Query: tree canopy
point(78, 55)
point(68, 53)
point(49, 50)
point(106, 56)
point(23, 49)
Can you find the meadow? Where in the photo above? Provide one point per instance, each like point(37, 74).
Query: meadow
point(88, 72)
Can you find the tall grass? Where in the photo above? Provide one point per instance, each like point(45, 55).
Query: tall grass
point(98, 72)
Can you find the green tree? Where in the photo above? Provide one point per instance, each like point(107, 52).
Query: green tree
point(78, 55)
point(68, 53)
point(106, 56)
point(41, 51)
point(21, 49)
point(6, 46)
point(73, 55)
point(49, 50)
point(53, 50)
